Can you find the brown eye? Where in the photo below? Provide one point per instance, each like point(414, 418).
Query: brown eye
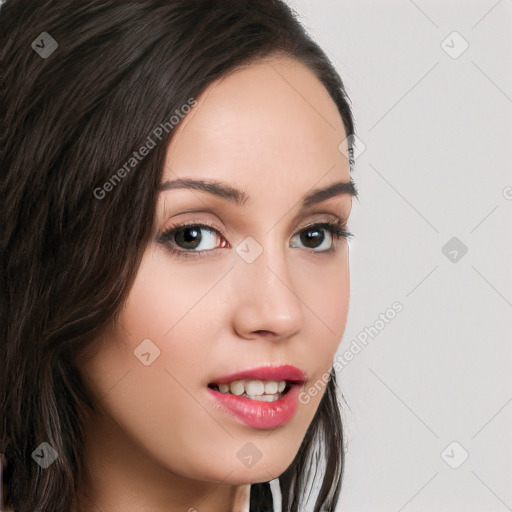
point(189, 239)
point(199, 239)
point(314, 236)
point(311, 238)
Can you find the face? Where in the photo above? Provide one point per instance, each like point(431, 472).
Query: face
point(255, 284)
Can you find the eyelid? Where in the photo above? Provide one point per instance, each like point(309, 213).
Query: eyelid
point(323, 217)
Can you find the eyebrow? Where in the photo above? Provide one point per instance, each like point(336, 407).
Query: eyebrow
point(239, 197)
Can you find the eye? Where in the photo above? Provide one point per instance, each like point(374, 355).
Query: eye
point(313, 236)
point(198, 239)
point(190, 238)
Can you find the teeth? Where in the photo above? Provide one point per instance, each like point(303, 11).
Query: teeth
point(237, 387)
point(223, 388)
point(271, 387)
point(266, 391)
point(255, 388)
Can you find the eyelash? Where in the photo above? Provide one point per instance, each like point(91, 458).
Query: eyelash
point(335, 228)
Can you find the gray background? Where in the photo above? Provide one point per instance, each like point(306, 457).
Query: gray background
point(437, 131)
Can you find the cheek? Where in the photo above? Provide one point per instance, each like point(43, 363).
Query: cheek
point(147, 375)
point(325, 292)
point(327, 299)
point(165, 293)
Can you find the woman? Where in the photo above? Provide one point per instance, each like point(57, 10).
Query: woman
point(175, 269)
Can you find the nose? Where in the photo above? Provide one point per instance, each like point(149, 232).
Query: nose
point(267, 303)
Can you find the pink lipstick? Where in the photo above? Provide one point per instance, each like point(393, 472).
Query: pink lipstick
point(264, 397)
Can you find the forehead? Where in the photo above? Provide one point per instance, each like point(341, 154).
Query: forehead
point(269, 126)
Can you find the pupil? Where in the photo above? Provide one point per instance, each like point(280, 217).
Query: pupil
point(306, 238)
point(188, 239)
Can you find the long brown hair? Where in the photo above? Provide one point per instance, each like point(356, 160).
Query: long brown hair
point(72, 114)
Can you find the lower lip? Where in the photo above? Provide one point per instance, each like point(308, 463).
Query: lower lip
point(256, 414)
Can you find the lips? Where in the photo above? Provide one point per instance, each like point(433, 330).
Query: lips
point(251, 410)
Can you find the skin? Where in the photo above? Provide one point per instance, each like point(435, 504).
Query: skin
point(160, 443)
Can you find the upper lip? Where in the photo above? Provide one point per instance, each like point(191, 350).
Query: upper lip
point(285, 372)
